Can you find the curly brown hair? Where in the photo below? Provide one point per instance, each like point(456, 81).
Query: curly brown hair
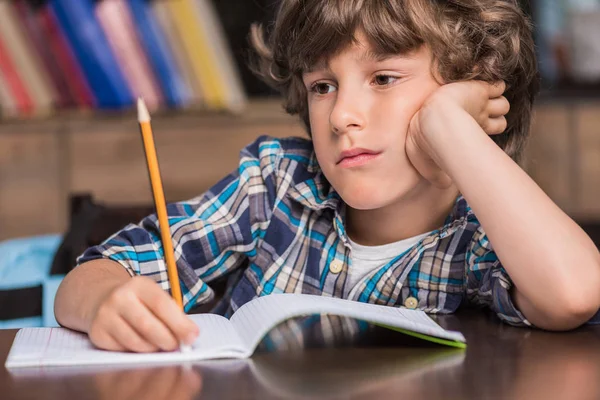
point(488, 40)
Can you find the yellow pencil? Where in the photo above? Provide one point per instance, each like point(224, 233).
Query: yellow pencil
point(159, 200)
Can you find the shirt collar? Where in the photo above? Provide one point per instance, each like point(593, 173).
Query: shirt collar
point(316, 193)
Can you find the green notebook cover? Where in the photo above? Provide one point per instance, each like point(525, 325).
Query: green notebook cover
point(445, 342)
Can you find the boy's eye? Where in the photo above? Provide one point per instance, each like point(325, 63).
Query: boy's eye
point(382, 80)
point(322, 88)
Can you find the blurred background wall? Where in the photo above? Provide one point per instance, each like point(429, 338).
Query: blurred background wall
point(567, 35)
point(70, 72)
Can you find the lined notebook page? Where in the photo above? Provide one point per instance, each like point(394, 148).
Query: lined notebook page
point(217, 333)
point(255, 318)
point(60, 346)
point(36, 344)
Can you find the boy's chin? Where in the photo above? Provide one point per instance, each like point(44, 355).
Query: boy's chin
point(373, 197)
point(366, 201)
point(378, 192)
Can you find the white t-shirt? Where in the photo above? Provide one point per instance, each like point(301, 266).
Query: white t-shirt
point(366, 259)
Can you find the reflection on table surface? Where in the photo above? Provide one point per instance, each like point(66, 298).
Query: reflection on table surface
point(332, 357)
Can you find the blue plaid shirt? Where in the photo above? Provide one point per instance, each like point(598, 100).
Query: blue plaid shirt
point(276, 225)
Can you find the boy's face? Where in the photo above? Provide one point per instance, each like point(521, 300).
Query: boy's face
point(360, 109)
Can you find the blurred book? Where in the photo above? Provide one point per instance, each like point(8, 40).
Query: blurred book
point(12, 81)
point(197, 47)
point(220, 54)
point(116, 21)
point(160, 57)
point(65, 57)
point(93, 52)
point(28, 66)
point(27, 17)
point(8, 107)
point(166, 21)
point(63, 54)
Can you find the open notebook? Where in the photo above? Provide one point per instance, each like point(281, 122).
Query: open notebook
point(221, 337)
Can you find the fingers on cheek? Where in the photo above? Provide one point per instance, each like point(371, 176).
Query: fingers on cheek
point(498, 107)
point(496, 126)
point(506, 105)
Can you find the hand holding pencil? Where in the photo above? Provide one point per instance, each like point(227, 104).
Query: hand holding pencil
point(160, 205)
point(138, 315)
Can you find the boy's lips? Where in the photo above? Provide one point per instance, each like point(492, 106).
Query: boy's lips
point(356, 156)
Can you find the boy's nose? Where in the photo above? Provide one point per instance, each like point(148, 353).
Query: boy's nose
point(347, 114)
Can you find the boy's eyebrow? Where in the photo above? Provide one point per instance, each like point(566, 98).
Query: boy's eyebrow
point(379, 56)
point(371, 55)
point(320, 66)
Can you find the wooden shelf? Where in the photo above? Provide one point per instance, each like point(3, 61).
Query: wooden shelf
point(42, 162)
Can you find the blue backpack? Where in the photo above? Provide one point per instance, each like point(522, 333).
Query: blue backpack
point(27, 288)
point(32, 268)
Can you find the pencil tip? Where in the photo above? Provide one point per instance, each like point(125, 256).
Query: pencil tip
point(143, 114)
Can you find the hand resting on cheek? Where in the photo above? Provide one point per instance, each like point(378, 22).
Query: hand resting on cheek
point(482, 101)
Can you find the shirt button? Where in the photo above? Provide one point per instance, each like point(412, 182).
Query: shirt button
point(411, 303)
point(336, 266)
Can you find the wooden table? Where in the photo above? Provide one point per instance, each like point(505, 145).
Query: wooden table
point(500, 362)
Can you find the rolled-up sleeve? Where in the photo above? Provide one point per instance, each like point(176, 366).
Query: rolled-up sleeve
point(212, 235)
point(488, 283)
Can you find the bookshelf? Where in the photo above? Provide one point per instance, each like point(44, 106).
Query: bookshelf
point(102, 55)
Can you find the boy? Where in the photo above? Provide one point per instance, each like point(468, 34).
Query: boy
point(397, 199)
